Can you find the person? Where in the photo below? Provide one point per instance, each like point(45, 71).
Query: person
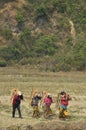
point(34, 103)
point(64, 99)
point(47, 103)
point(16, 101)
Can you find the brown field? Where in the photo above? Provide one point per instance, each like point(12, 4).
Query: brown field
point(27, 79)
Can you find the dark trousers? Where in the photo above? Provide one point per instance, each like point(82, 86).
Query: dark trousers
point(14, 110)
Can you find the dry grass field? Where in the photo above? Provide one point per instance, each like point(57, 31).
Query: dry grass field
point(26, 79)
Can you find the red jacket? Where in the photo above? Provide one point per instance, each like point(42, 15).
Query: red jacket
point(64, 99)
point(14, 99)
point(48, 101)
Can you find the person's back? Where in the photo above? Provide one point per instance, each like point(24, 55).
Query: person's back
point(35, 100)
point(34, 103)
point(17, 101)
point(14, 99)
point(48, 101)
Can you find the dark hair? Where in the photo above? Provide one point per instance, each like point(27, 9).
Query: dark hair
point(62, 93)
point(49, 96)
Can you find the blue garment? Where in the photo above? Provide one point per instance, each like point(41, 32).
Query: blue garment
point(35, 100)
point(64, 107)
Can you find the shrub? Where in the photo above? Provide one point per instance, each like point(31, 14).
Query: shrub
point(3, 63)
point(7, 33)
point(25, 38)
point(45, 45)
point(23, 61)
point(41, 11)
point(11, 52)
point(20, 16)
point(79, 52)
point(60, 5)
point(25, 35)
point(80, 56)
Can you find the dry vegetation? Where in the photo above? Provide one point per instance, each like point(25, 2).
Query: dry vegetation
point(27, 79)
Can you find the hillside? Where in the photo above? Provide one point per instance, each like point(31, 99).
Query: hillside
point(48, 34)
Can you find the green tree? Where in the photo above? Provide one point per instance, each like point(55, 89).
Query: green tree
point(45, 45)
point(25, 38)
